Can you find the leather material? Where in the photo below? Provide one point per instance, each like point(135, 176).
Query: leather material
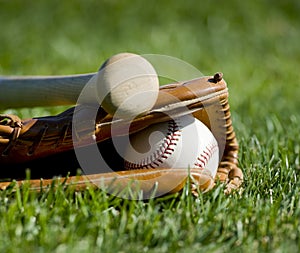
point(23, 141)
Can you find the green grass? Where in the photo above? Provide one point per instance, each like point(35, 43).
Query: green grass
point(255, 45)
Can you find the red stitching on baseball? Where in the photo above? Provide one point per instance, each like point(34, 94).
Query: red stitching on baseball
point(163, 152)
point(205, 156)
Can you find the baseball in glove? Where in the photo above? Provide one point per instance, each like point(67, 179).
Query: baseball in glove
point(49, 145)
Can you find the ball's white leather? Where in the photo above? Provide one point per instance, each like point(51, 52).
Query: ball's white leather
point(127, 85)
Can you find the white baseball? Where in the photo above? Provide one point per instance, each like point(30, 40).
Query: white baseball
point(181, 143)
point(127, 85)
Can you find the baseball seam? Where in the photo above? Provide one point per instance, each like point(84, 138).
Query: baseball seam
point(163, 152)
point(206, 154)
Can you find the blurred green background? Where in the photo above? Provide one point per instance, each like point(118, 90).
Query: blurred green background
point(254, 43)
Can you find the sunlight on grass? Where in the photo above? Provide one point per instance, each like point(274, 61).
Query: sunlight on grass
point(255, 44)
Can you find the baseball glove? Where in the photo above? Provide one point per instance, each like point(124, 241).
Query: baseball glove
point(46, 146)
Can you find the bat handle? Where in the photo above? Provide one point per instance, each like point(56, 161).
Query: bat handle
point(32, 91)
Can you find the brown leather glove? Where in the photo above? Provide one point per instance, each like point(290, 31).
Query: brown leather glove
point(43, 143)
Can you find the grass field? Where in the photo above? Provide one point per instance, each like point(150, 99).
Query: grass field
point(255, 44)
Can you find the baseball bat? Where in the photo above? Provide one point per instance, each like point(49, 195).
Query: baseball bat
point(33, 91)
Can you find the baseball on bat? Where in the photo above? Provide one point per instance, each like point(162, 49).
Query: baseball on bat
point(117, 86)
